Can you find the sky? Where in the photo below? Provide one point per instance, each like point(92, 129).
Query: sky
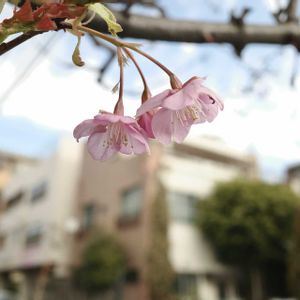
point(262, 109)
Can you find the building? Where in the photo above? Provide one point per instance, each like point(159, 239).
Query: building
point(293, 178)
point(37, 216)
point(117, 196)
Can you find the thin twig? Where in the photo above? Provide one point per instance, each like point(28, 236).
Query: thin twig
point(5, 47)
point(291, 11)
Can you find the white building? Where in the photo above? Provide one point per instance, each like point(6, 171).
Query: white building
point(189, 172)
point(36, 220)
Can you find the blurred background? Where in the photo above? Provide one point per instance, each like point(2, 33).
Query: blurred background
point(214, 218)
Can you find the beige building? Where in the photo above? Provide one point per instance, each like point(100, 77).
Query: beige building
point(293, 178)
point(117, 195)
point(37, 215)
point(46, 205)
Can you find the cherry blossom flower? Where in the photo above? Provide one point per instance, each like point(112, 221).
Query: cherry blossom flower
point(180, 108)
point(110, 133)
point(145, 121)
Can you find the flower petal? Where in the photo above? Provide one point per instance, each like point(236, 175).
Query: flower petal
point(107, 118)
point(179, 130)
point(145, 121)
point(153, 102)
point(194, 80)
point(138, 141)
point(98, 146)
point(180, 99)
point(212, 95)
point(185, 96)
point(162, 126)
point(86, 128)
point(135, 143)
point(209, 107)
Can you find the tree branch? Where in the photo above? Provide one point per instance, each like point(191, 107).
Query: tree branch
point(5, 47)
point(291, 11)
point(143, 27)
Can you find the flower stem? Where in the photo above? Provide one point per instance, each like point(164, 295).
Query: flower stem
point(146, 93)
point(112, 40)
point(174, 81)
point(119, 108)
point(155, 61)
point(134, 47)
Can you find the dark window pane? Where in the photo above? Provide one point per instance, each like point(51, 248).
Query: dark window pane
point(186, 286)
point(2, 240)
point(34, 235)
point(88, 216)
point(181, 206)
point(15, 199)
point(131, 203)
point(39, 191)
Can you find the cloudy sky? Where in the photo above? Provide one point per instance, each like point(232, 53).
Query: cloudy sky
point(262, 109)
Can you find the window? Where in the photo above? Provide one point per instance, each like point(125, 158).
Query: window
point(186, 286)
point(34, 235)
point(15, 199)
point(222, 290)
point(39, 191)
point(88, 215)
point(132, 276)
point(131, 204)
point(2, 240)
point(181, 206)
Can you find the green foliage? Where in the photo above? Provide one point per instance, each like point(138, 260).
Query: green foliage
point(294, 258)
point(103, 264)
point(160, 275)
point(249, 223)
point(113, 26)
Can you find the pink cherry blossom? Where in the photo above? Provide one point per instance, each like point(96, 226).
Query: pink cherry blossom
point(145, 121)
point(109, 133)
point(180, 108)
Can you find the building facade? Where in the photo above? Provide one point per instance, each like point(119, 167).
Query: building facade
point(117, 195)
point(37, 216)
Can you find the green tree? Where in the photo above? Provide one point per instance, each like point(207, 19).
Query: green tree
point(250, 226)
point(294, 258)
point(103, 264)
point(160, 275)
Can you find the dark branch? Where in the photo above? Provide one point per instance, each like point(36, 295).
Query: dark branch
point(142, 27)
point(5, 47)
point(287, 14)
point(291, 11)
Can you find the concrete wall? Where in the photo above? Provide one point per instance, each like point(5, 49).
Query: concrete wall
point(61, 174)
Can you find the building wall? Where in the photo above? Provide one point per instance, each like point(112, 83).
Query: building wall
point(190, 170)
point(103, 184)
point(58, 176)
